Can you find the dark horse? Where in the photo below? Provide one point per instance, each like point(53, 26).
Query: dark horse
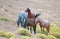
point(31, 23)
point(43, 24)
point(32, 16)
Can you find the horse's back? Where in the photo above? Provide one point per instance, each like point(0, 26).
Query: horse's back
point(24, 14)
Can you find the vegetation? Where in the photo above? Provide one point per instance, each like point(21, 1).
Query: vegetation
point(43, 36)
point(26, 37)
point(51, 37)
point(53, 34)
point(24, 32)
point(7, 34)
point(4, 18)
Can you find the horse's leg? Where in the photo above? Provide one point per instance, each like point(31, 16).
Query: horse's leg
point(41, 29)
point(28, 27)
point(48, 28)
point(31, 29)
point(18, 24)
point(34, 29)
point(34, 26)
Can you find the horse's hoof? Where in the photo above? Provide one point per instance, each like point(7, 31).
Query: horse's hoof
point(35, 33)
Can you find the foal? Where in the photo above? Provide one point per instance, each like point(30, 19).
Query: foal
point(44, 24)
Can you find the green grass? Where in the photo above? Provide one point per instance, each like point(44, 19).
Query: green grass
point(42, 36)
point(24, 32)
point(6, 34)
point(51, 37)
point(26, 37)
point(53, 34)
point(54, 31)
point(12, 38)
point(4, 18)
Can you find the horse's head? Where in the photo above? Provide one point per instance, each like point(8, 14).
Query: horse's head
point(27, 10)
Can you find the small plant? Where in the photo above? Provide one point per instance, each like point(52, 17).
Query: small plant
point(56, 34)
point(54, 28)
point(51, 37)
point(42, 36)
point(2, 33)
point(12, 38)
point(9, 34)
point(6, 34)
point(4, 18)
point(26, 37)
point(24, 32)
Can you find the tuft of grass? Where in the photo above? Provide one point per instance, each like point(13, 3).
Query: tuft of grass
point(26, 37)
point(24, 32)
point(56, 34)
point(54, 28)
point(4, 18)
point(43, 36)
point(6, 34)
point(2, 33)
point(51, 37)
point(9, 34)
point(12, 38)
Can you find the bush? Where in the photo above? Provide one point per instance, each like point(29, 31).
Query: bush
point(26, 37)
point(6, 34)
point(51, 37)
point(56, 34)
point(24, 32)
point(9, 34)
point(4, 18)
point(2, 33)
point(12, 38)
point(42, 36)
point(54, 28)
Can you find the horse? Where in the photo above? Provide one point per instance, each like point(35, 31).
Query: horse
point(43, 24)
point(21, 17)
point(24, 15)
point(31, 23)
point(30, 15)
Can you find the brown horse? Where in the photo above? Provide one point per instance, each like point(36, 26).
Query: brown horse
point(31, 16)
point(44, 24)
point(31, 23)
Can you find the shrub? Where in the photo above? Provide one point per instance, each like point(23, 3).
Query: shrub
point(6, 34)
point(42, 36)
point(26, 37)
point(2, 33)
point(9, 34)
point(56, 34)
point(12, 38)
point(4, 18)
point(24, 32)
point(54, 28)
point(51, 37)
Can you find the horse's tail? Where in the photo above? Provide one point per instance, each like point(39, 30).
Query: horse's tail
point(37, 15)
